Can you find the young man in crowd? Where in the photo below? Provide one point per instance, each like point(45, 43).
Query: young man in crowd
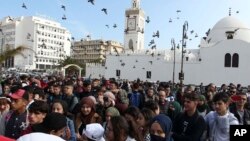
point(240, 111)
point(68, 95)
point(15, 121)
point(189, 126)
point(219, 121)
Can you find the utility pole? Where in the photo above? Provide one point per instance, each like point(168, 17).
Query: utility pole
point(184, 37)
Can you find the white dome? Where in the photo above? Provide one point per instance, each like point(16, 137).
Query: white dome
point(218, 32)
point(229, 22)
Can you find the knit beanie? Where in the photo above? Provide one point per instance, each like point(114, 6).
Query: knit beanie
point(113, 111)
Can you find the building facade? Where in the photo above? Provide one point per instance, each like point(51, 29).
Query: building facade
point(94, 51)
point(222, 58)
point(47, 40)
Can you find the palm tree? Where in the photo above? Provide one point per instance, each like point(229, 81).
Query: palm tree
point(12, 52)
point(9, 53)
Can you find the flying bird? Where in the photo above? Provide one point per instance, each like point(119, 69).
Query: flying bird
point(178, 11)
point(63, 7)
point(196, 35)
point(207, 33)
point(151, 42)
point(114, 25)
point(92, 2)
point(88, 36)
point(237, 12)
point(157, 34)
point(24, 6)
point(153, 47)
point(10, 19)
point(107, 25)
point(147, 20)
point(105, 10)
point(170, 20)
point(64, 17)
point(192, 31)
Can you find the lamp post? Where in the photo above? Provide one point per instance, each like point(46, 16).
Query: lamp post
point(173, 48)
point(2, 42)
point(184, 37)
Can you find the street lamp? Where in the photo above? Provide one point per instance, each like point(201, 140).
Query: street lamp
point(173, 48)
point(184, 37)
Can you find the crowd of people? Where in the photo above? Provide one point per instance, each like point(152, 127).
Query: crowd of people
point(110, 110)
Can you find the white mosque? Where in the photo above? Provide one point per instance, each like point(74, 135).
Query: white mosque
point(223, 56)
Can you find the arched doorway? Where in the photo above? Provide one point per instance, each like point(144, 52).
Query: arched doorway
point(69, 65)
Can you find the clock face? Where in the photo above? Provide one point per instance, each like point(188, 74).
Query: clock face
point(131, 23)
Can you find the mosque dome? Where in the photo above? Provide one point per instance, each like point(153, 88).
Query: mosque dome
point(227, 25)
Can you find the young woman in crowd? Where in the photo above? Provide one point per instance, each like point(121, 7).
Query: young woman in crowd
point(174, 109)
point(60, 106)
point(148, 115)
point(134, 116)
point(86, 116)
point(202, 106)
point(110, 112)
point(118, 130)
point(4, 106)
point(160, 128)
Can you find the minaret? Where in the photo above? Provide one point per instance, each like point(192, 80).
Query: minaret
point(134, 27)
point(136, 4)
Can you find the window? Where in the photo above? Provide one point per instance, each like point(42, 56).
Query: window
point(148, 74)
point(235, 60)
point(228, 60)
point(118, 72)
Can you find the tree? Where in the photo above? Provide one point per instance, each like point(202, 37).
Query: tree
point(10, 53)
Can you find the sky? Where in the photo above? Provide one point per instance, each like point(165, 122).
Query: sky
point(84, 19)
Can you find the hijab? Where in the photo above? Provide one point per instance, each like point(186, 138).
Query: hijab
point(165, 123)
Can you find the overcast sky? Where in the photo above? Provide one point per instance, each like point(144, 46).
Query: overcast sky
point(83, 18)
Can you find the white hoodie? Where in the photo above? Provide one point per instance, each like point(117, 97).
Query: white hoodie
point(219, 125)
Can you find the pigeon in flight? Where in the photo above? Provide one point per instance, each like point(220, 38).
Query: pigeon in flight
point(107, 25)
point(24, 6)
point(63, 7)
point(151, 42)
point(178, 11)
point(92, 2)
point(170, 20)
point(105, 10)
point(88, 36)
point(153, 47)
point(196, 35)
point(147, 20)
point(64, 17)
point(114, 25)
point(157, 34)
point(10, 19)
point(192, 31)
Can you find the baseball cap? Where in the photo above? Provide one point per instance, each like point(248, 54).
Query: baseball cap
point(94, 131)
point(20, 93)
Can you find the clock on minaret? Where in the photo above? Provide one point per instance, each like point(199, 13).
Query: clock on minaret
point(131, 23)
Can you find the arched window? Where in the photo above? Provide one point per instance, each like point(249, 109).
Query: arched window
point(130, 44)
point(228, 60)
point(235, 60)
